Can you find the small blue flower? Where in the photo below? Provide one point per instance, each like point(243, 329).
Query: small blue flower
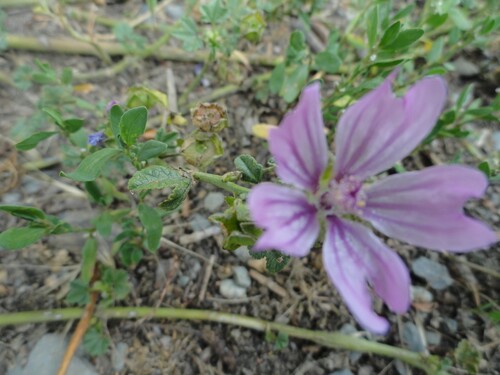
point(96, 139)
point(110, 105)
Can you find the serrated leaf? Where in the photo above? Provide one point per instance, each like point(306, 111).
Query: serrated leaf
point(91, 166)
point(132, 124)
point(213, 12)
point(17, 238)
point(78, 293)
point(250, 169)
point(95, 343)
point(89, 257)
point(160, 177)
point(153, 224)
point(27, 213)
point(33, 140)
point(187, 32)
point(297, 48)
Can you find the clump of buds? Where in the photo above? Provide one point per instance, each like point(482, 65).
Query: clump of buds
point(209, 117)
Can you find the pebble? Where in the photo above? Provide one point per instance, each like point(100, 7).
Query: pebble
point(451, 324)
point(434, 273)
point(229, 289)
point(243, 254)
point(366, 370)
point(119, 355)
point(194, 269)
point(496, 140)
point(199, 223)
point(344, 371)
point(433, 338)
point(174, 11)
point(183, 280)
point(31, 185)
point(46, 356)
point(11, 198)
point(241, 277)
point(412, 338)
point(465, 67)
point(420, 294)
point(213, 201)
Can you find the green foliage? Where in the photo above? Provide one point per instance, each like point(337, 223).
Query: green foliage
point(132, 124)
point(91, 166)
point(467, 357)
point(33, 140)
point(89, 259)
point(187, 32)
point(151, 220)
point(17, 238)
point(275, 261)
point(95, 342)
point(250, 169)
point(126, 35)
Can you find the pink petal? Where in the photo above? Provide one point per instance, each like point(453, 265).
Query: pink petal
point(381, 129)
point(287, 217)
point(424, 208)
point(353, 256)
point(299, 143)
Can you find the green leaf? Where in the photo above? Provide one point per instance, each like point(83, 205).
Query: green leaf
point(27, 213)
point(103, 223)
point(153, 224)
point(151, 149)
point(297, 48)
point(33, 140)
point(78, 293)
point(73, 125)
point(95, 342)
point(89, 256)
point(275, 261)
point(485, 168)
point(295, 82)
point(436, 51)
point(277, 78)
point(17, 238)
point(248, 166)
point(115, 114)
point(465, 96)
point(436, 20)
point(460, 19)
point(147, 97)
point(390, 34)
point(132, 124)
point(467, 357)
point(117, 281)
point(404, 12)
point(213, 12)
point(160, 177)
point(236, 239)
point(130, 254)
point(187, 32)
point(405, 39)
point(91, 166)
point(55, 116)
point(328, 61)
point(66, 76)
point(372, 25)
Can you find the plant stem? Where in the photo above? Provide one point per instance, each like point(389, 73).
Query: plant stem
point(72, 46)
point(196, 81)
point(332, 340)
point(219, 182)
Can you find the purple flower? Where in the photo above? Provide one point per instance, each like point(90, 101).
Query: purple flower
point(423, 208)
point(96, 139)
point(110, 105)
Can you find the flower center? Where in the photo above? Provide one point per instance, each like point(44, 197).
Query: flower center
point(345, 196)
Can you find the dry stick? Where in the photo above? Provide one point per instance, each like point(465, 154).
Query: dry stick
point(71, 46)
point(80, 330)
point(206, 277)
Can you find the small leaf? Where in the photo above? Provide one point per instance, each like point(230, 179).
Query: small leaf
point(73, 125)
point(328, 61)
point(103, 223)
point(78, 293)
point(89, 255)
point(405, 39)
point(27, 213)
point(297, 48)
point(390, 34)
point(248, 166)
point(236, 239)
point(160, 177)
point(91, 166)
point(460, 19)
point(95, 342)
point(130, 254)
point(153, 224)
point(295, 82)
point(33, 140)
point(55, 115)
point(132, 124)
point(187, 32)
point(151, 149)
point(277, 78)
point(17, 238)
point(115, 114)
point(485, 168)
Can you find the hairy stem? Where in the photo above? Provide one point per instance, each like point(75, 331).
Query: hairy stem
point(332, 340)
point(219, 182)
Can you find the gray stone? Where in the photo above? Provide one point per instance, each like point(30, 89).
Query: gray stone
point(401, 367)
point(496, 140)
point(199, 223)
point(420, 294)
point(433, 338)
point(229, 289)
point(465, 67)
point(119, 355)
point(46, 357)
point(243, 254)
point(366, 370)
point(241, 277)
point(451, 324)
point(194, 269)
point(412, 338)
point(213, 201)
point(174, 11)
point(31, 185)
point(434, 273)
point(183, 280)
point(344, 371)
point(11, 198)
